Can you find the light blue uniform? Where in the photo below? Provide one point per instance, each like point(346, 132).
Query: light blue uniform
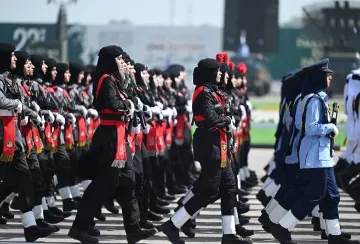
point(315, 146)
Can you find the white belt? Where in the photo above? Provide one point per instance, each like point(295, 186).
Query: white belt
point(4, 112)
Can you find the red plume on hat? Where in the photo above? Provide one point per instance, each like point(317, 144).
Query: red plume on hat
point(242, 68)
point(220, 57)
point(226, 58)
point(232, 65)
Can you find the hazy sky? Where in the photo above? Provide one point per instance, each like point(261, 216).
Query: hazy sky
point(151, 12)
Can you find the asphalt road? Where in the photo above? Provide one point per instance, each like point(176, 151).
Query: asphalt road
point(209, 222)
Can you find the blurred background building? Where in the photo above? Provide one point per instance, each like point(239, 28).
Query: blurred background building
point(271, 36)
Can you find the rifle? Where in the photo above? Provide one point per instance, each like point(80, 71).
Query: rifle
point(131, 91)
point(333, 120)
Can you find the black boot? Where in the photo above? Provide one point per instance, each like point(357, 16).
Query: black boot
point(52, 218)
point(316, 223)
point(93, 231)
point(265, 221)
point(57, 211)
point(5, 211)
point(281, 234)
point(82, 236)
point(243, 220)
point(142, 234)
point(159, 210)
point(179, 190)
point(347, 174)
point(243, 199)
point(188, 229)
point(15, 203)
point(34, 232)
point(340, 165)
point(69, 205)
point(110, 206)
point(242, 207)
point(340, 240)
point(100, 216)
point(354, 189)
point(3, 220)
point(168, 197)
point(152, 216)
point(235, 239)
point(243, 232)
point(172, 232)
point(344, 234)
point(146, 224)
point(43, 224)
point(261, 196)
point(162, 203)
point(357, 206)
point(264, 178)
point(243, 192)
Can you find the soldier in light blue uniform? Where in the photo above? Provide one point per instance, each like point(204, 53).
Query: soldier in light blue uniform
point(289, 169)
point(316, 178)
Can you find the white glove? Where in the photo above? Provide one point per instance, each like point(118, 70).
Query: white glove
point(147, 113)
point(71, 118)
point(156, 110)
point(248, 103)
point(83, 111)
point(42, 125)
point(36, 107)
point(233, 119)
point(37, 121)
point(18, 109)
point(88, 121)
point(160, 105)
point(139, 106)
point(24, 121)
point(132, 108)
point(175, 122)
point(168, 112)
point(231, 127)
point(147, 129)
point(93, 113)
point(161, 117)
point(59, 119)
point(243, 112)
point(189, 108)
point(174, 112)
point(136, 130)
point(336, 131)
point(50, 117)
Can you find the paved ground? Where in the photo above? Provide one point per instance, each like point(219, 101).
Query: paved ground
point(209, 224)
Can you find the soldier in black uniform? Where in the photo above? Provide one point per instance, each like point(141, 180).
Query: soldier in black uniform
point(17, 174)
point(108, 151)
point(216, 176)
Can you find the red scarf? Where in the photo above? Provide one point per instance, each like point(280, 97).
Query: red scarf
point(168, 134)
point(131, 140)
point(223, 147)
point(55, 137)
point(69, 139)
point(9, 138)
point(49, 143)
point(27, 131)
point(81, 130)
point(139, 139)
point(151, 140)
point(180, 128)
point(160, 138)
point(90, 131)
point(37, 140)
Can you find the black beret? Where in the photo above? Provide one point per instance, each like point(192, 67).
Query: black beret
point(126, 57)
point(62, 67)
point(139, 67)
point(76, 68)
point(157, 71)
point(132, 62)
point(151, 72)
point(174, 70)
point(322, 65)
point(177, 67)
point(165, 75)
point(50, 62)
point(6, 48)
point(208, 63)
point(22, 56)
point(37, 59)
point(111, 51)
